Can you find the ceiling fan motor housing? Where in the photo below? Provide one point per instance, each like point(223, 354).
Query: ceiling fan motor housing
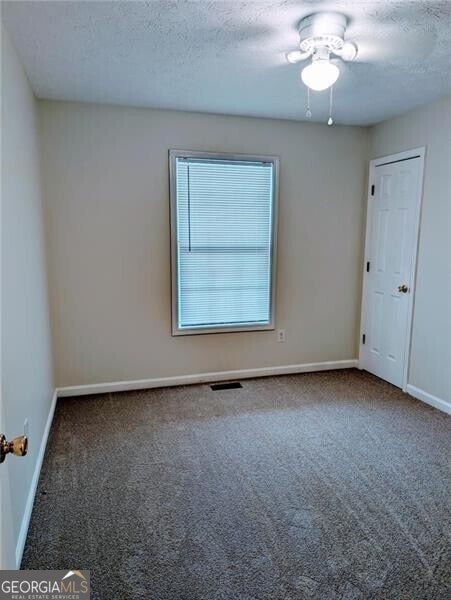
point(322, 30)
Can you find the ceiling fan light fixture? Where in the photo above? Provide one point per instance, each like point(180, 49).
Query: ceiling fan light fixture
point(320, 75)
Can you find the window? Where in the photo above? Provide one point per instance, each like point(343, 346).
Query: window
point(223, 228)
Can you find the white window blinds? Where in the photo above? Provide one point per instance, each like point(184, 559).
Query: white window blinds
point(224, 242)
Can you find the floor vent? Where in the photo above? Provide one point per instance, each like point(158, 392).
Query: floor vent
point(233, 385)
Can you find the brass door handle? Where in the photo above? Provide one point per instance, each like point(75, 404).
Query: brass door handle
point(18, 446)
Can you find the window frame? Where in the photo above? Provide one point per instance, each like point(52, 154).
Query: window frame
point(174, 154)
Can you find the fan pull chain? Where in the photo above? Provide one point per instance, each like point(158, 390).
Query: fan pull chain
point(308, 112)
point(330, 121)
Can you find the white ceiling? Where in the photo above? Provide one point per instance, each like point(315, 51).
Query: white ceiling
point(227, 56)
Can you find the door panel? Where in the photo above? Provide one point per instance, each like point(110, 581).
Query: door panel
point(381, 239)
point(400, 225)
point(7, 546)
point(376, 323)
point(391, 226)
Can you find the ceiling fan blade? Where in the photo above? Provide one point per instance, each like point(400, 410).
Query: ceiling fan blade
point(296, 56)
point(348, 52)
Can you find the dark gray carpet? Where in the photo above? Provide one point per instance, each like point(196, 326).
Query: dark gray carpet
point(317, 486)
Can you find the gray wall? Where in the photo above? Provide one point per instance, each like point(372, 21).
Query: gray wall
point(27, 385)
point(430, 365)
point(106, 190)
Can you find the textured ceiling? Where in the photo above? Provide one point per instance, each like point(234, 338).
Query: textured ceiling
point(228, 56)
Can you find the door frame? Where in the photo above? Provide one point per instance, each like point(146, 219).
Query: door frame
point(420, 153)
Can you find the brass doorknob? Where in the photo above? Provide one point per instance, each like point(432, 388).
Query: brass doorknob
point(403, 288)
point(18, 446)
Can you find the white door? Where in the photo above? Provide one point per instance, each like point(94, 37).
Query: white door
point(390, 249)
point(7, 546)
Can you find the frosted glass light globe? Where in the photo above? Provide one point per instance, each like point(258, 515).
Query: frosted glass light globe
point(320, 75)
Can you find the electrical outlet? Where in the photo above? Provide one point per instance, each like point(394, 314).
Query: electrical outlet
point(281, 335)
point(25, 427)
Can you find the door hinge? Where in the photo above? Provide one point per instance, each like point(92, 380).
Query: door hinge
point(368, 266)
point(363, 338)
point(372, 190)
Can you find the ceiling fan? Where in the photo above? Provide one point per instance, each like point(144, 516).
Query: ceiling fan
point(322, 35)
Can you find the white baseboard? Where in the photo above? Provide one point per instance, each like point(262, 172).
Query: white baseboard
point(429, 398)
point(140, 384)
point(34, 484)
